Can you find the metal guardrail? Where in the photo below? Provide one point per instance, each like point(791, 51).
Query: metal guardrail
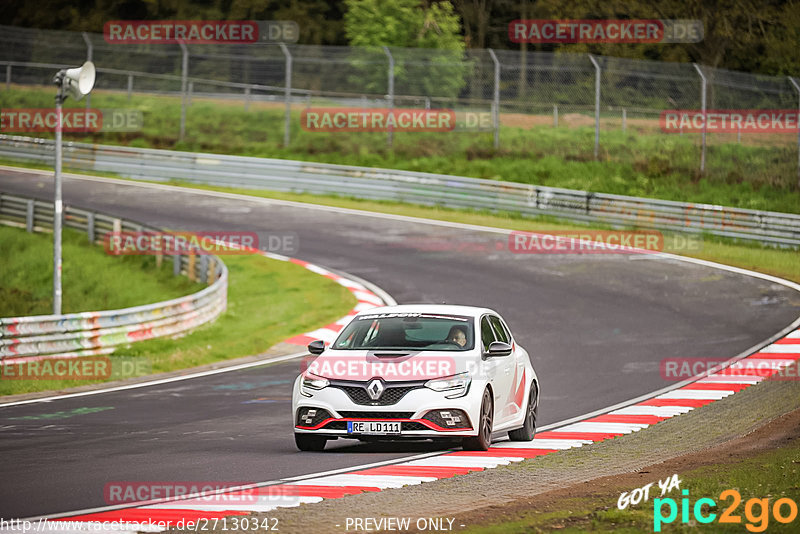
point(414, 187)
point(86, 333)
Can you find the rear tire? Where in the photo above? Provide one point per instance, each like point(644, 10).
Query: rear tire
point(482, 441)
point(528, 429)
point(310, 442)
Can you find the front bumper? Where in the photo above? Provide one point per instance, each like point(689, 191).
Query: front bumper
point(418, 411)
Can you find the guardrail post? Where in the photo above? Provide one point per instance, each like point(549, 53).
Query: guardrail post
point(247, 98)
point(29, 216)
point(204, 269)
point(390, 75)
point(90, 227)
point(596, 106)
point(703, 92)
point(89, 54)
point(555, 115)
point(496, 101)
point(184, 76)
point(287, 95)
point(130, 86)
point(190, 274)
point(797, 87)
point(176, 264)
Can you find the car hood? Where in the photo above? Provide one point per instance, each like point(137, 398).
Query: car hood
point(390, 365)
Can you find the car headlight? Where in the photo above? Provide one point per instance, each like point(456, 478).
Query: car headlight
point(457, 385)
point(312, 382)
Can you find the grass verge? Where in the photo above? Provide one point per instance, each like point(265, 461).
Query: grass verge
point(91, 280)
point(770, 475)
point(758, 174)
point(268, 301)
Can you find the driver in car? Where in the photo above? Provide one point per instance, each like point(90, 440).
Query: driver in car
point(458, 336)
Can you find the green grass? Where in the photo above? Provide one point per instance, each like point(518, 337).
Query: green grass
point(759, 174)
point(91, 279)
point(771, 475)
point(268, 301)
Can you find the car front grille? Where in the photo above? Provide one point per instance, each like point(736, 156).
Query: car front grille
point(357, 391)
point(376, 415)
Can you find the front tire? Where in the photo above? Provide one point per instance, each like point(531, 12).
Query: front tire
point(528, 429)
point(482, 441)
point(310, 442)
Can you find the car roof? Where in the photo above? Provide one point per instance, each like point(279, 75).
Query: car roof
point(446, 309)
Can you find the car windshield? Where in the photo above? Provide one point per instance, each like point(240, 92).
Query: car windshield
point(407, 331)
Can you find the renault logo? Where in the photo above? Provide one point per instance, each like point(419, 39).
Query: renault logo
point(375, 389)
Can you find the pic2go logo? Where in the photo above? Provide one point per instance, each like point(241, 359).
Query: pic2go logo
point(784, 510)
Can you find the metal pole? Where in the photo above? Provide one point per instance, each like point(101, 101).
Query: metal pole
point(58, 208)
point(797, 87)
point(555, 115)
point(8, 76)
point(703, 88)
point(624, 120)
point(247, 98)
point(130, 86)
point(390, 132)
point(190, 91)
point(287, 96)
point(89, 53)
point(184, 76)
point(596, 106)
point(496, 101)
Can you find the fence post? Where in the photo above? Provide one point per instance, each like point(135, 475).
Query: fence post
point(247, 98)
point(797, 87)
point(89, 54)
point(90, 227)
point(624, 120)
point(29, 216)
point(190, 91)
point(184, 76)
point(555, 115)
point(596, 106)
point(130, 86)
point(287, 95)
point(496, 100)
point(176, 265)
point(8, 76)
point(703, 89)
point(390, 132)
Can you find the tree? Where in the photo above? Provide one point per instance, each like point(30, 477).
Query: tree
point(406, 26)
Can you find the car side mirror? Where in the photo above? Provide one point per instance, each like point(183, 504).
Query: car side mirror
point(498, 348)
point(316, 347)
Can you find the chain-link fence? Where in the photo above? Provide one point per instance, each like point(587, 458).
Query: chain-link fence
point(611, 106)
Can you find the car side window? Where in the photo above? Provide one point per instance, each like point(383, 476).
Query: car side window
point(499, 330)
point(487, 336)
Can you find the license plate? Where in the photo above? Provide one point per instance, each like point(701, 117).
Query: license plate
point(373, 427)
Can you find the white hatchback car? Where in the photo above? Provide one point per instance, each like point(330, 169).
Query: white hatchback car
point(417, 372)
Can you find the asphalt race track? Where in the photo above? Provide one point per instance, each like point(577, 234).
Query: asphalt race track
point(597, 326)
